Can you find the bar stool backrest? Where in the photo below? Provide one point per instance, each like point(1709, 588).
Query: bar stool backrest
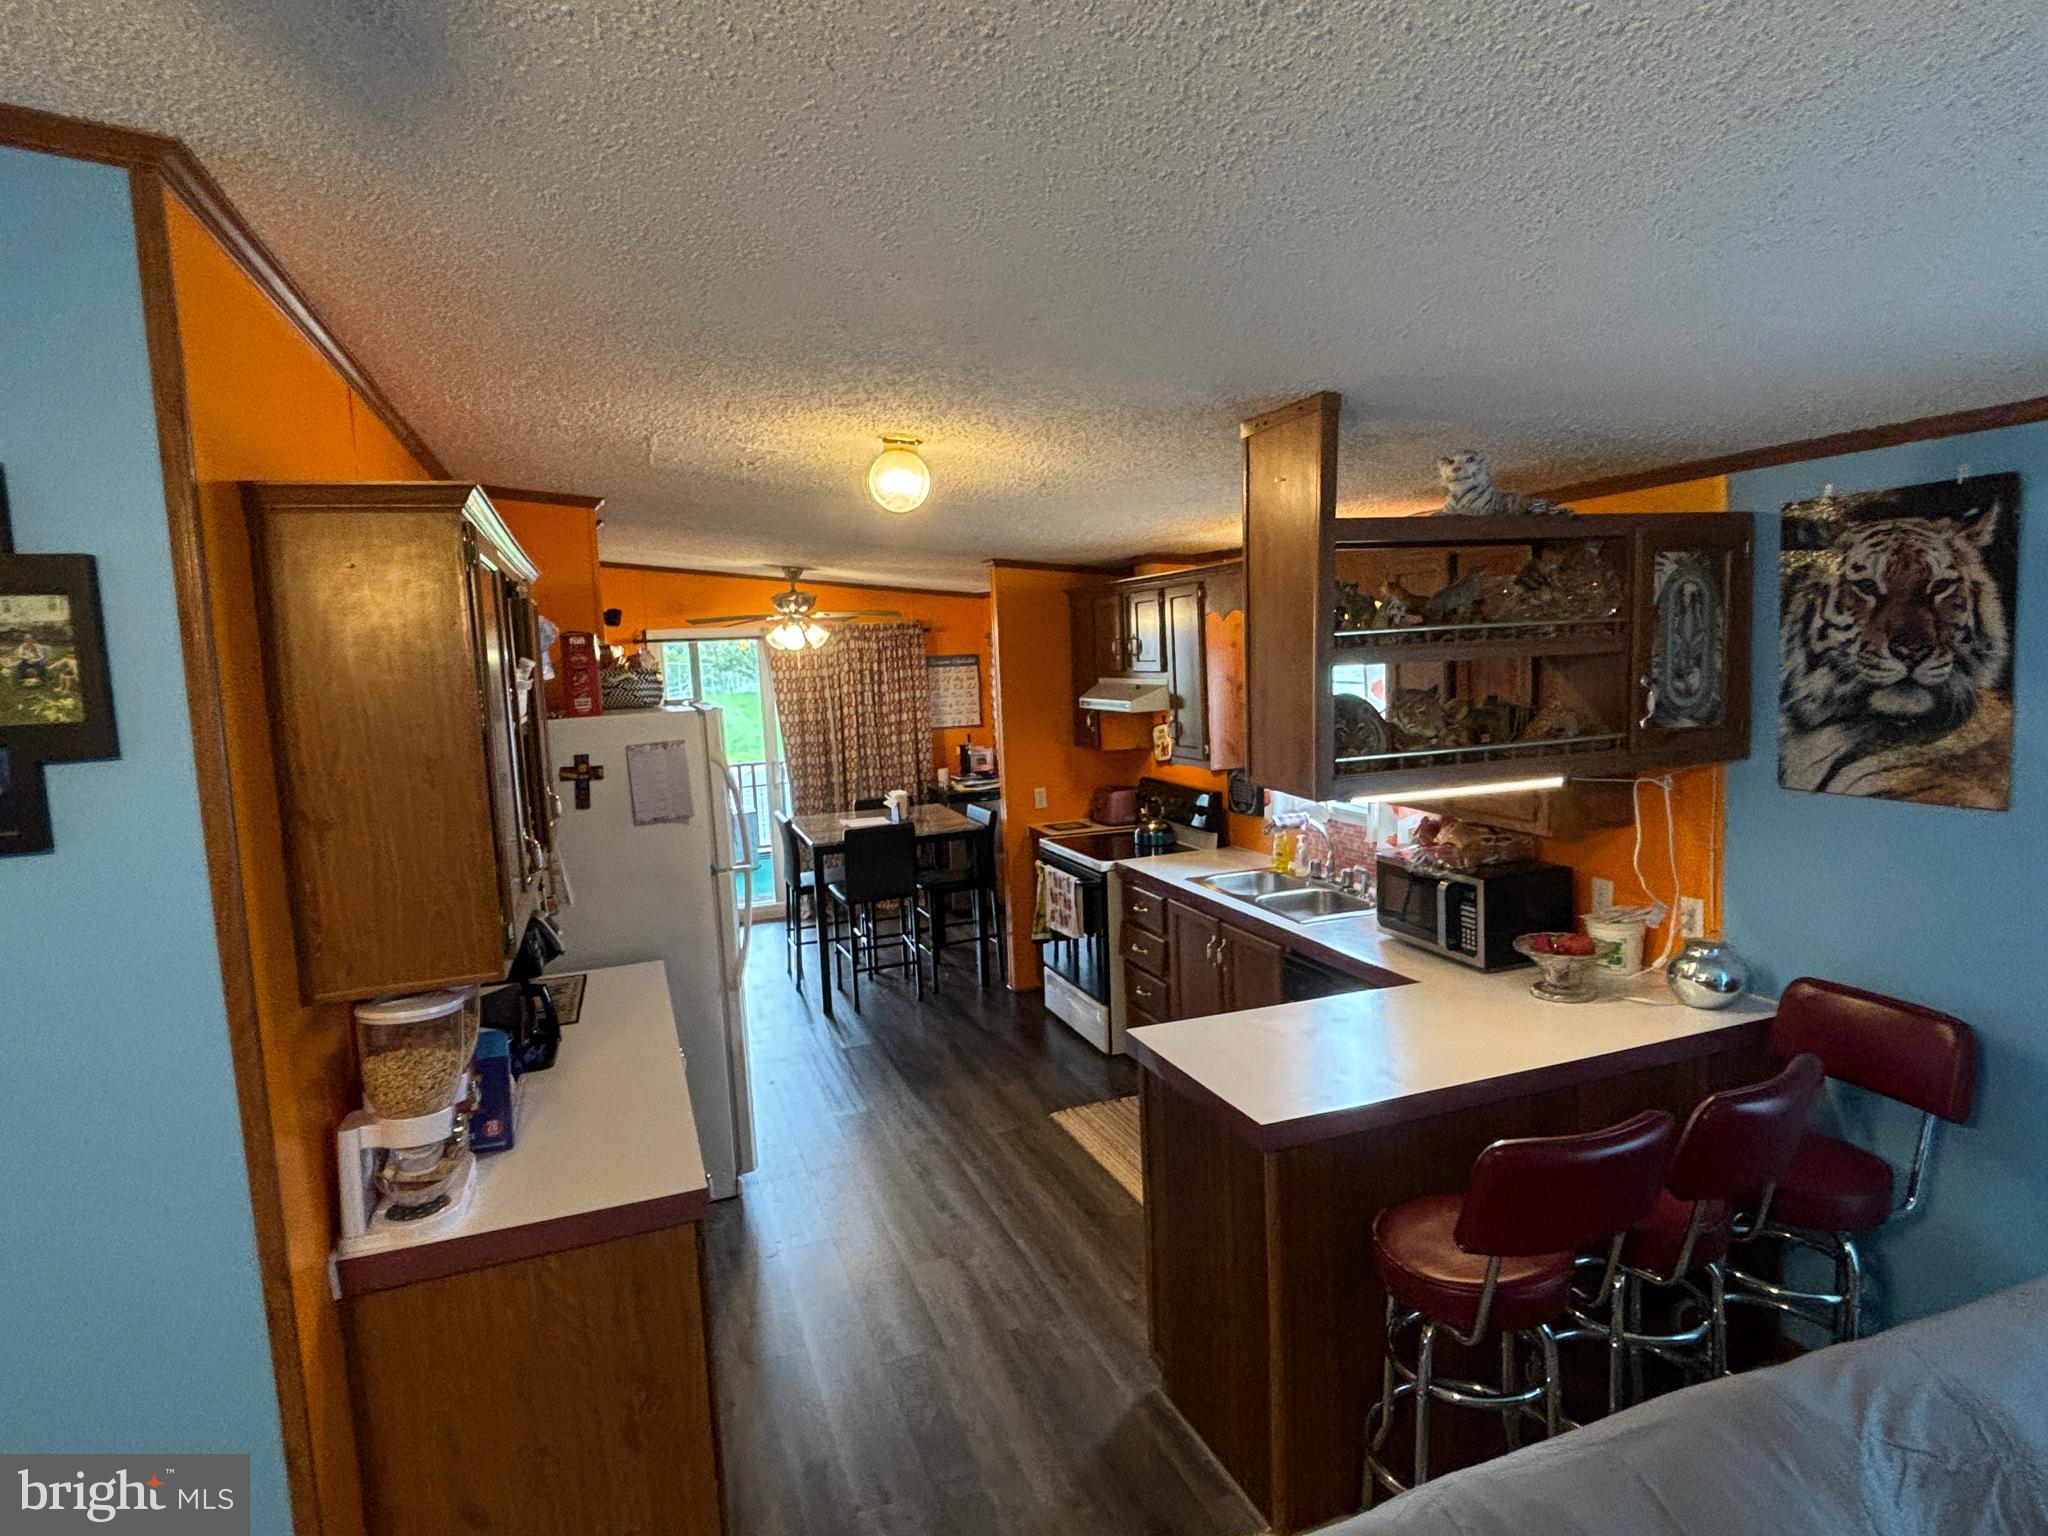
point(1901, 1050)
point(881, 863)
point(1739, 1142)
point(1558, 1194)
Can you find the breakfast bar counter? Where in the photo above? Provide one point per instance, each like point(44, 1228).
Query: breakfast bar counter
point(1274, 1135)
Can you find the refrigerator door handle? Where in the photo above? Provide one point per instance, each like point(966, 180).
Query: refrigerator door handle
point(743, 902)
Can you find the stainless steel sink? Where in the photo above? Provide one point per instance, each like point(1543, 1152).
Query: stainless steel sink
point(1313, 904)
point(1252, 884)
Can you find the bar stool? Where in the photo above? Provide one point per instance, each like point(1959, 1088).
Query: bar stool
point(881, 865)
point(978, 880)
point(800, 884)
point(1735, 1147)
point(1498, 1258)
point(1834, 1190)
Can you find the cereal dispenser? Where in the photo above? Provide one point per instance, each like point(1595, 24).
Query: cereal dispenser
point(404, 1156)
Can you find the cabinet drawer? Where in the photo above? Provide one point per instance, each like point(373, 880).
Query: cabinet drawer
point(1146, 994)
point(1144, 951)
point(1145, 908)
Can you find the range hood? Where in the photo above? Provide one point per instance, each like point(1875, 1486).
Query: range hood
point(1121, 696)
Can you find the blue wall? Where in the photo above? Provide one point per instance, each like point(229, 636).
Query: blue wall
point(1923, 902)
point(131, 1315)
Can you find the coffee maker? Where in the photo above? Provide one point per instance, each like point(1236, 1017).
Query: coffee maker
point(404, 1157)
point(525, 1009)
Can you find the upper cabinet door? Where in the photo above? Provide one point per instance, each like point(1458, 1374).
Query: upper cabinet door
point(1690, 623)
point(1144, 632)
point(1112, 648)
point(1186, 672)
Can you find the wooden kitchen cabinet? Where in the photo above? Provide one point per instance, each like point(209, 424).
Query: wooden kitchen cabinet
point(1567, 645)
point(1155, 629)
point(403, 652)
point(1218, 967)
point(1197, 980)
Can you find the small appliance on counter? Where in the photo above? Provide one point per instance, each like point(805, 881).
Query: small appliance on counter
point(523, 1008)
point(1475, 916)
point(404, 1157)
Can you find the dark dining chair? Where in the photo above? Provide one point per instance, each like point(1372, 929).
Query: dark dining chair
point(870, 803)
point(800, 884)
point(881, 867)
point(975, 879)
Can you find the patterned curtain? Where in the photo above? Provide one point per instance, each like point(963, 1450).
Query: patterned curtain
point(856, 716)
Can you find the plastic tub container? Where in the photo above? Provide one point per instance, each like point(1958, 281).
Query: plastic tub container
point(412, 1051)
point(1619, 940)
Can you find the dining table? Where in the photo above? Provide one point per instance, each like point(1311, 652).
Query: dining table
point(822, 834)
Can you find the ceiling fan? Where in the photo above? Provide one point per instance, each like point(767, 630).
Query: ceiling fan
point(796, 622)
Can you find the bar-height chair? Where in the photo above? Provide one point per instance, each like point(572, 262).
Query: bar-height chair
point(800, 884)
point(976, 880)
point(1836, 1191)
point(881, 866)
point(1497, 1259)
point(869, 803)
point(1735, 1147)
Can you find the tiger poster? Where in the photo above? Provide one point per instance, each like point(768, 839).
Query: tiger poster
point(1896, 642)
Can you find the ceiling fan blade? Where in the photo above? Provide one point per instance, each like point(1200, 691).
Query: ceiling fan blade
point(859, 613)
point(741, 618)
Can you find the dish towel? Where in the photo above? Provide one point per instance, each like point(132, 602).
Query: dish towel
point(1062, 902)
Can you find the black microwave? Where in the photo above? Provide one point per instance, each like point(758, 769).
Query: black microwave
point(1475, 918)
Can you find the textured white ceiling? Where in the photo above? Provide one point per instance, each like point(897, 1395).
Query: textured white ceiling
point(696, 258)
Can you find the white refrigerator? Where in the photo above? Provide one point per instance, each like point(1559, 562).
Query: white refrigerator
point(658, 868)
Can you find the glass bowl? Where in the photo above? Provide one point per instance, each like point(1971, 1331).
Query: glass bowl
point(1566, 978)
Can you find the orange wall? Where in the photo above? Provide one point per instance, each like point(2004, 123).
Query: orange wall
point(957, 623)
point(1698, 794)
point(264, 405)
point(562, 541)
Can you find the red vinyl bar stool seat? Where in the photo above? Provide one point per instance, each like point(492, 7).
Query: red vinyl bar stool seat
point(1735, 1142)
point(1496, 1259)
point(1835, 1190)
point(1834, 1186)
point(1426, 1271)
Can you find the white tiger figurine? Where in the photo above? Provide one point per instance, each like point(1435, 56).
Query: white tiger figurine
point(1470, 491)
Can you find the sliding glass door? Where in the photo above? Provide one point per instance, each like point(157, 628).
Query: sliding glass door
point(731, 672)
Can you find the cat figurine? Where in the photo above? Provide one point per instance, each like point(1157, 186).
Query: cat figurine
point(1469, 491)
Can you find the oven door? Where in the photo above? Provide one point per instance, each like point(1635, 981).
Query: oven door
point(1083, 961)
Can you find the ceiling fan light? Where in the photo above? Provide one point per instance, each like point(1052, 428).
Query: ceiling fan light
point(815, 636)
point(899, 480)
point(786, 636)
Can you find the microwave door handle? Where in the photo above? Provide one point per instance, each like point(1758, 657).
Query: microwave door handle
point(1443, 914)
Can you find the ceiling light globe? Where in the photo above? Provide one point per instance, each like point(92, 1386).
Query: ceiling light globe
point(786, 636)
point(815, 636)
point(899, 480)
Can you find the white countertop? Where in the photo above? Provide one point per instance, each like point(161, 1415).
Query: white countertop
point(1453, 1037)
point(606, 1147)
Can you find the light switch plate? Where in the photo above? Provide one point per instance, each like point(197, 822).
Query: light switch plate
point(1692, 917)
point(1603, 895)
point(1038, 799)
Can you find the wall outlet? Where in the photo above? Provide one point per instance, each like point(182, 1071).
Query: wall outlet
point(1038, 799)
point(1692, 918)
point(1603, 895)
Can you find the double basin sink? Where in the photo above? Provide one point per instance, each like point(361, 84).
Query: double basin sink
point(1288, 896)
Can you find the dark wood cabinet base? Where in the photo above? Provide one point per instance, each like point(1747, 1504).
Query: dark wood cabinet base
point(1265, 1308)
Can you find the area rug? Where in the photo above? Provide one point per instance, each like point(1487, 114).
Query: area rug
point(1108, 1132)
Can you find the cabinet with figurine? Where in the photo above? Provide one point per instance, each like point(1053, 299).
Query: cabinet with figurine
point(1520, 642)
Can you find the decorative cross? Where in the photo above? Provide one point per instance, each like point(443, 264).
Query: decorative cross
point(582, 772)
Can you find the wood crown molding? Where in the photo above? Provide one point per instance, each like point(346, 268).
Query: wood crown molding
point(1920, 429)
point(544, 498)
point(173, 167)
point(1308, 405)
point(777, 581)
point(1111, 571)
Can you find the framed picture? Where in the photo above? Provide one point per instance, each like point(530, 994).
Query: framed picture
point(24, 815)
point(56, 699)
point(1896, 645)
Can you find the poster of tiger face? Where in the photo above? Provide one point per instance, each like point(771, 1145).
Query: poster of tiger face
point(1896, 642)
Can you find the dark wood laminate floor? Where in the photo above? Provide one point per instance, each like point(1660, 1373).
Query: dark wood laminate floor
point(927, 1302)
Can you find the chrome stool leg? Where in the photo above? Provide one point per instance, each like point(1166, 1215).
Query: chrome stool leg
point(1511, 1422)
point(1425, 1372)
point(1850, 1284)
